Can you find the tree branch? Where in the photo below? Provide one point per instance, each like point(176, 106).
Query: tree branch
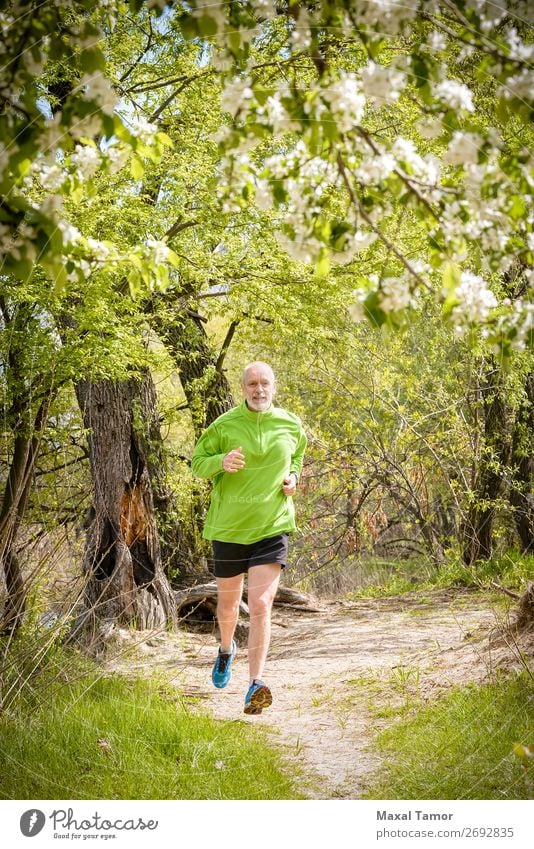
point(226, 344)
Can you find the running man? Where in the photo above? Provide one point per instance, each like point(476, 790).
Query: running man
point(253, 454)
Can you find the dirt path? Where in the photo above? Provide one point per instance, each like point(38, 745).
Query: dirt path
point(339, 675)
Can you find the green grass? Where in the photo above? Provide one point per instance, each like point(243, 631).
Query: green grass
point(461, 747)
point(84, 736)
point(394, 578)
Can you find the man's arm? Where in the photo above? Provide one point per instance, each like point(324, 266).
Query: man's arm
point(207, 459)
point(297, 458)
point(290, 482)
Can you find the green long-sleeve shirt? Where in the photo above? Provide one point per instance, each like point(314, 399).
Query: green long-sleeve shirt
point(249, 505)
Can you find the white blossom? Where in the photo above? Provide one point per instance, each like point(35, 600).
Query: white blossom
point(301, 36)
point(395, 294)
point(86, 160)
point(436, 42)
point(357, 308)
point(235, 95)
point(278, 116)
point(33, 66)
point(263, 197)
point(429, 128)
point(381, 83)
point(264, 9)
point(521, 86)
point(4, 158)
point(145, 130)
point(53, 133)
point(518, 49)
point(98, 89)
point(117, 158)
point(160, 250)
point(455, 95)
point(50, 205)
point(99, 250)
point(490, 14)
point(346, 101)
point(374, 169)
point(475, 298)
point(69, 233)
point(86, 127)
point(51, 177)
point(463, 149)
point(387, 16)
point(207, 9)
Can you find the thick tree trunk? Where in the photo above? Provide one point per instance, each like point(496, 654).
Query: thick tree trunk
point(522, 463)
point(204, 382)
point(478, 529)
point(125, 578)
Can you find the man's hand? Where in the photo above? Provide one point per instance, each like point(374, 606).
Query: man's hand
point(234, 461)
point(289, 486)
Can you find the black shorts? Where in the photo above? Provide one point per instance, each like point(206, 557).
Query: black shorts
point(233, 558)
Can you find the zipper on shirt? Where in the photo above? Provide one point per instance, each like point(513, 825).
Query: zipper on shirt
point(260, 433)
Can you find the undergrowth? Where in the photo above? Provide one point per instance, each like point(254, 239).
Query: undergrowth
point(69, 732)
point(511, 570)
point(472, 743)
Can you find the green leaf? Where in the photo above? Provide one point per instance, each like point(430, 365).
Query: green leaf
point(60, 279)
point(517, 208)
point(450, 275)
point(92, 59)
point(373, 310)
point(420, 70)
point(24, 166)
point(207, 26)
point(164, 139)
point(322, 266)
point(137, 168)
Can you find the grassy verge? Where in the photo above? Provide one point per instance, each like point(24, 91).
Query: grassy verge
point(461, 747)
point(77, 735)
point(393, 578)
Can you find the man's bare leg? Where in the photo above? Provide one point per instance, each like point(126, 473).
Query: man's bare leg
point(229, 592)
point(262, 585)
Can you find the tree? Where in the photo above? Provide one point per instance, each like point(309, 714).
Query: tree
point(126, 582)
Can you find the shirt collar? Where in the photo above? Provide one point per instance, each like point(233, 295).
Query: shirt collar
point(252, 414)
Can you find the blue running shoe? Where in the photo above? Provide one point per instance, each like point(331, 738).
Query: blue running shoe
point(258, 697)
point(222, 670)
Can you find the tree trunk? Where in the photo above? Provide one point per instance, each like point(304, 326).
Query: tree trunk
point(208, 395)
point(522, 463)
point(204, 382)
point(478, 530)
point(27, 427)
point(125, 578)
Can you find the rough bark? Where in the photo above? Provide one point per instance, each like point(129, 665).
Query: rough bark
point(125, 578)
point(495, 456)
point(203, 380)
point(522, 463)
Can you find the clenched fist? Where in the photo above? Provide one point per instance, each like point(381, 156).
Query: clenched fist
point(234, 460)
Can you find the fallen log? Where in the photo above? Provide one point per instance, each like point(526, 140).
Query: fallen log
point(200, 602)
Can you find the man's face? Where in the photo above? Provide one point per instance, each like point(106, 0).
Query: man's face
point(258, 388)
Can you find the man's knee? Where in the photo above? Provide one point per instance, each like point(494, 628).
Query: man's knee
point(260, 605)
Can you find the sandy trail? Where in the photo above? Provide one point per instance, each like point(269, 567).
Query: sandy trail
point(332, 672)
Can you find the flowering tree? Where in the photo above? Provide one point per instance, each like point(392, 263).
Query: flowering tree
point(379, 106)
point(55, 139)
point(372, 155)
